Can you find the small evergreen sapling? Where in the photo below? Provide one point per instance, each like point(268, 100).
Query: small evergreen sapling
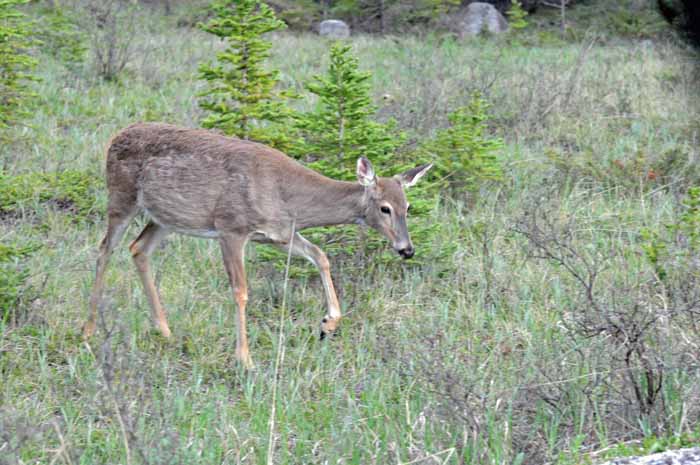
point(465, 155)
point(242, 97)
point(16, 64)
point(342, 129)
point(516, 16)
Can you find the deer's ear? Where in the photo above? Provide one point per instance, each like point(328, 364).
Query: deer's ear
point(365, 172)
point(411, 177)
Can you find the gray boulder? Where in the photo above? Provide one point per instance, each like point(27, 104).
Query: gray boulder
point(478, 17)
point(671, 457)
point(334, 28)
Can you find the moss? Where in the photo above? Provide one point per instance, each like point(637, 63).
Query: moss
point(71, 191)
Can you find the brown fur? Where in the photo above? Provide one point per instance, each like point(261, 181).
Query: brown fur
point(201, 183)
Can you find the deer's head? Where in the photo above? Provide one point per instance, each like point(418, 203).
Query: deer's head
point(386, 206)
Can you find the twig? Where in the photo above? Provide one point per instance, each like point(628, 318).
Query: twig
point(61, 451)
point(280, 348)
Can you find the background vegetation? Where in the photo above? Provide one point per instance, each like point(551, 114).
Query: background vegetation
point(552, 318)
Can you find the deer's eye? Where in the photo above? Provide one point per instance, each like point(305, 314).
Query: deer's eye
point(386, 210)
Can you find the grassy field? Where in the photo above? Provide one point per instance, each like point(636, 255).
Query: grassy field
point(545, 335)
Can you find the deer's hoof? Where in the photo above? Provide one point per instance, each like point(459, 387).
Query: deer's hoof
point(89, 330)
point(329, 326)
point(165, 331)
point(244, 359)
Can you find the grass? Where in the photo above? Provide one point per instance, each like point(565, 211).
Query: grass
point(475, 358)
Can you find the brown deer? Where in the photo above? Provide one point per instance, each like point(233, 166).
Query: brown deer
point(204, 184)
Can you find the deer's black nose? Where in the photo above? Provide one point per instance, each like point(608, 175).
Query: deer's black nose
point(407, 252)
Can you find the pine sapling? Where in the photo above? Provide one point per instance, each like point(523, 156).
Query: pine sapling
point(242, 97)
point(16, 64)
point(342, 128)
point(465, 154)
point(516, 16)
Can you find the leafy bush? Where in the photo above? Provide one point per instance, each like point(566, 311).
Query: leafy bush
point(16, 64)
point(464, 153)
point(242, 98)
point(68, 190)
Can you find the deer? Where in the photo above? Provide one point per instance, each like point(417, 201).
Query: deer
point(201, 183)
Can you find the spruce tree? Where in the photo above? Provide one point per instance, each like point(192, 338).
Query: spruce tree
point(16, 65)
point(242, 97)
point(516, 16)
point(342, 129)
point(464, 153)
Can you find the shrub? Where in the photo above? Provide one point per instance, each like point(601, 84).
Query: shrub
point(298, 15)
point(16, 64)
point(242, 98)
point(621, 306)
point(391, 16)
point(111, 27)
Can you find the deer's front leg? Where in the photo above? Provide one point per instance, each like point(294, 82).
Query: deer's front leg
point(232, 247)
point(315, 255)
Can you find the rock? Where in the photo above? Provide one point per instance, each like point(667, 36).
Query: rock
point(670, 457)
point(334, 28)
point(478, 17)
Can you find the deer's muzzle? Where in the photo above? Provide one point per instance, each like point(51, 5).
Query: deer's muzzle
point(407, 252)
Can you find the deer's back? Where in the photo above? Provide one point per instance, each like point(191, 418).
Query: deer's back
point(199, 182)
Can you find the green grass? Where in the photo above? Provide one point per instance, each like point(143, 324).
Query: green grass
point(473, 358)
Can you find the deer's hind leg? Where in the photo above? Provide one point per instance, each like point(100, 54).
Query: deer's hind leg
point(232, 248)
point(116, 227)
point(141, 250)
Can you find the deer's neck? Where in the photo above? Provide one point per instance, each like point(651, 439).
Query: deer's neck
point(330, 202)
